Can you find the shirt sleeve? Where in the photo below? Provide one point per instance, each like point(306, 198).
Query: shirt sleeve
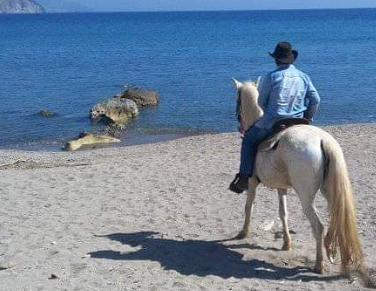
point(264, 91)
point(313, 100)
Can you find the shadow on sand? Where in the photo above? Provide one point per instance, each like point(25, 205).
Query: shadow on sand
point(202, 258)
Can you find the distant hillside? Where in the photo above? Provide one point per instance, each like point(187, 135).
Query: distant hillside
point(63, 6)
point(20, 6)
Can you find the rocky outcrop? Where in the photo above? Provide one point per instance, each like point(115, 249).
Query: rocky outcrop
point(89, 139)
point(20, 6)
point(142, 97)
point(115, 111)
point(123, 106)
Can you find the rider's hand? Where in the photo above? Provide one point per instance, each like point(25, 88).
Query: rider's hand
point(241, 130)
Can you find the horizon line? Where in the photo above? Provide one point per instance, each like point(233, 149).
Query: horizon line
point(208, 10)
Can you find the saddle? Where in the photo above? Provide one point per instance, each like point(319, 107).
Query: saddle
point(271, 142)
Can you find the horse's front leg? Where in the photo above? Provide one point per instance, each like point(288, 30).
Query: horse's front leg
point(252, 185)
point(283, 214)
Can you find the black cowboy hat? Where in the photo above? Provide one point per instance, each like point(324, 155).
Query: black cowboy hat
point(284, 53)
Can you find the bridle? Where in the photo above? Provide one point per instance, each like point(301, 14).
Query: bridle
point(239, 106)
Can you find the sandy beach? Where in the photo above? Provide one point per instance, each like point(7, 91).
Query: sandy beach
point(159, 217)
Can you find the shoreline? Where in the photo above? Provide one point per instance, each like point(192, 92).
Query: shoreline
point(127, 139)
point(159, 217)
point(134, 138)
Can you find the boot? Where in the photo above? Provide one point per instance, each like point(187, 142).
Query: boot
point(240, 183)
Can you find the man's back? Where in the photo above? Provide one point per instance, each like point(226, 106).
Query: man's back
point(286, 92)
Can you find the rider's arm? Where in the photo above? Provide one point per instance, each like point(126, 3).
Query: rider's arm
point(264, 90)
point(313, 98)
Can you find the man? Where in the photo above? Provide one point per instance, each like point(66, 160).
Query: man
point(283, 93)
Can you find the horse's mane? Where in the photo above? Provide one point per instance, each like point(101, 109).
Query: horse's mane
point(250, 108)
point(252, 83)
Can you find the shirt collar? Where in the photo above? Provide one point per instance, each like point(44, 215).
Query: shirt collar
point(284, 67)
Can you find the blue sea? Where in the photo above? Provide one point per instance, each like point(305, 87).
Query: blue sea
point(68, 62)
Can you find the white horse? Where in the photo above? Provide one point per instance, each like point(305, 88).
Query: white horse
point(306, 159)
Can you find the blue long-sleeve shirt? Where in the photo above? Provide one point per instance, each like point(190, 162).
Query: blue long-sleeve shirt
point(286, 92)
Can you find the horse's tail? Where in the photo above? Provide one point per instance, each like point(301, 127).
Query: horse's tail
point(342, 232)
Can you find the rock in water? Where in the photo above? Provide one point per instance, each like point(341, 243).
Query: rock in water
point(20, 6)
point(140, 96)
point(45, 113)
point(88, 139)
point(123, 106)
point(114, 111)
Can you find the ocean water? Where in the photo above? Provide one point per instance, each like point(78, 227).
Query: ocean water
point(68, 62)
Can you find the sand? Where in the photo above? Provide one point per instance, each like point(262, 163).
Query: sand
point(160, 217)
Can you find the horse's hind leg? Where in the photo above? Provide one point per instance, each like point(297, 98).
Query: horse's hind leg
point(317, 227)
point(252, 185)
point(283, 214)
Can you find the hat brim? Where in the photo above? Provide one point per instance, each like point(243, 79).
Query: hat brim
point(288, 60)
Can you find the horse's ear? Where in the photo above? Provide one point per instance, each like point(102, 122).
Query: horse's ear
point(237, 84)
point(258, 81)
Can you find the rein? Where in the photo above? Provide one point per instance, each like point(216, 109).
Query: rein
point(238, 106)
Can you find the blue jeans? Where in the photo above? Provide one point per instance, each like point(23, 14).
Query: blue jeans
point(251, 140)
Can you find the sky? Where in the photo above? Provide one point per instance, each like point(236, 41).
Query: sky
point(173, 5)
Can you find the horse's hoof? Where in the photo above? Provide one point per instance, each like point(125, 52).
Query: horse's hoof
point(241, 235)
point(331, 259)
point(330, 252)
point(286, 247)
point(331, 255)
point(319, 269)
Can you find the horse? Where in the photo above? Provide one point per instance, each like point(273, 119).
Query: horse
point(306, 159)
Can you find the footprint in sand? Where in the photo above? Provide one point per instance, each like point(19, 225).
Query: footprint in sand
point(77, 268)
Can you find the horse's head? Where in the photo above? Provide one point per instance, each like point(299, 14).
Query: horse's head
point(247, 108)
